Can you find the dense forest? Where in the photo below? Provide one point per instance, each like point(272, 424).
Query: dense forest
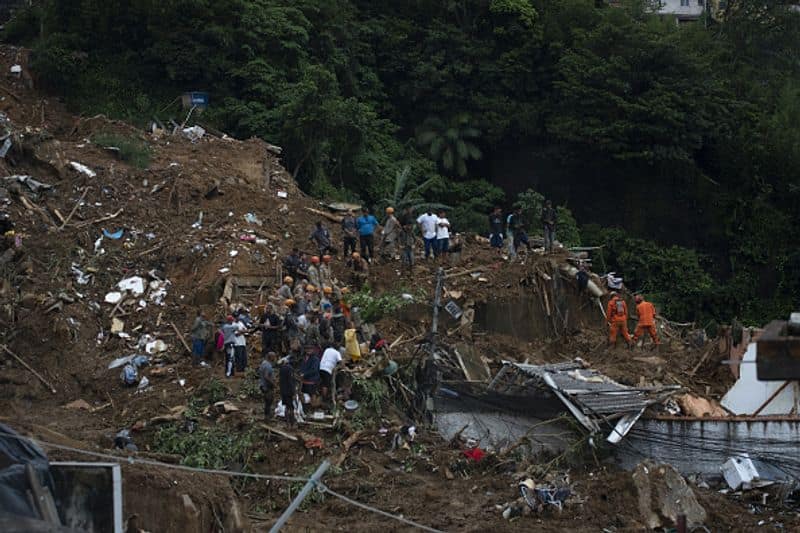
point(677, 147)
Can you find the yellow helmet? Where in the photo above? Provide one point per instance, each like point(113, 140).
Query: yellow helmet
point(389, 210)
point(356, 255)
point(327, 290)
point(289, 302)
point(311, 288)
point(288, 279)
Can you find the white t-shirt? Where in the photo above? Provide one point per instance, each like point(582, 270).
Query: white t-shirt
point(239, 339)
point(302, 322)
point(428, 223)
point(330, 357)
point(443, 232)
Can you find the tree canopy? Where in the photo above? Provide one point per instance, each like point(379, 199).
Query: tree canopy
point(684, 137)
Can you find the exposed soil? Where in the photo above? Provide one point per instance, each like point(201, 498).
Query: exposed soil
point(158, 207)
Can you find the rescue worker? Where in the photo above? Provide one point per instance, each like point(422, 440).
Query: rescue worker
point(366, 228)
point(350, 233)
point(549, 225)
point(325, 274)
point(270, 330)
point(338, 325)
point(229, 331)
point(309, 369)
point(391, 233)
point(496, 229)
point(327, 293)
point(267, 382)
point(322, 237)
point(359, 269)
point(291, 331)
point(287, 388)
point(327, 365)
point(313, 272)
point(407, 237)
point(200, 333)
point(285, 290)
point(647, 320)
point(617, 316)
point(292, 262)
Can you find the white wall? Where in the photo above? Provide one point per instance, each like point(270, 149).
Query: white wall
point(674, 7)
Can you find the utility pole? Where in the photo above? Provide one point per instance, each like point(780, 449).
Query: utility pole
point(310, 484)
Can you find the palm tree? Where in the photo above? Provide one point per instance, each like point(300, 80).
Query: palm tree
point(451, 144)
point(405, 196)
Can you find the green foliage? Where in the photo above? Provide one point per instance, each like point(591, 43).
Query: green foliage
point(215, 448)
point(614, 101)
point(408, 194)
point(131, 149)
point(250, 386)
point(371, 394)
point(373, 307)
point(532, 203)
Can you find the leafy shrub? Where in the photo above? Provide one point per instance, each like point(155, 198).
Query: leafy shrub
point(204, 447)
point(372, 307)
point(131, 150)
point(532, 202)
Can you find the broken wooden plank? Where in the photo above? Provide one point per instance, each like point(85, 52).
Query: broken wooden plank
point(329, 216)
point(101, 219)
point(74, 209)
point(276, 431)
point(180, 336)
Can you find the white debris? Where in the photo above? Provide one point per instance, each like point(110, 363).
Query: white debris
point(233, 253)
point(16, 69)
point(80, 276)
point(194, 134)
point(133, 284)
point(113, 297)
point(83, 169)
point(98, 246)
point(224, 270)
point(158, 291)
point(155, 346)
point(739, 472)
point(283, 194)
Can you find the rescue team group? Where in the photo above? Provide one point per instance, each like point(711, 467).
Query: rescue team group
point(308, 317)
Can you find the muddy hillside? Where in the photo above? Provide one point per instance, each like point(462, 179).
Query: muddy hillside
point(115, 238)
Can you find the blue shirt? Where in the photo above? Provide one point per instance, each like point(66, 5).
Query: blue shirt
point(366, 224)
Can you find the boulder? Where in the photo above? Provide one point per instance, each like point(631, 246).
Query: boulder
point(662, 495)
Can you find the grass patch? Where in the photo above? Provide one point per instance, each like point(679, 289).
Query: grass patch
point(214, 447)
point(374, 307)
point(132, 150)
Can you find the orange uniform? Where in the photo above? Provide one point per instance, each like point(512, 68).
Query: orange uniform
point(647, 321)
point(617, 316)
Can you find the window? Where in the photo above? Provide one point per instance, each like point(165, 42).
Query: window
point(684, 3)
point(701, 3)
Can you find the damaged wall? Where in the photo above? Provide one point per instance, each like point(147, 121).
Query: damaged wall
point(698, 446)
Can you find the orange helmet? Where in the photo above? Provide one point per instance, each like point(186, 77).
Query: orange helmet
point(310, 288)
point(315, 260)
point(327, 290)
point(288, 279)
point(356, 255)
point(289, 302)
point(389, 210)
point(326, 259)
point(345, 290)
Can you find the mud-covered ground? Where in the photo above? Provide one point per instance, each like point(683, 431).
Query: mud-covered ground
point(61, 328)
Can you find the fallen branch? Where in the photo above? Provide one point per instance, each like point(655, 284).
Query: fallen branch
point(74, 209)
point(702, 360)
point(280, 433)
point(102, 219)
point(329, 216)
point(346, 445)
point(465, 272)
point(150, 250)
point(27, 366)
point(180, 336)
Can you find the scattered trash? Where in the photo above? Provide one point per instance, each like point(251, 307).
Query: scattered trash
point(6, 147)
point(739, 472)
point(123, 441)
point(194, 133)
point(129, 375)
point(83, 169)
point(115, 235)
point(158, 292)
point(453, 309)
point(474, 454)
point(199, 222)
point(35, 186)
point(133, 284)
point(351, 405)
point(143, 383)
point(155, 346)
point(283, 194)
point(253, 219)
point(117, 325)
point(98, 246)
point(113, 297)
point(81, 278)
point(539, 497)
point(247, 238)
point(407, 297)
point(16, 69)
point(233, 253)
point(224, 270)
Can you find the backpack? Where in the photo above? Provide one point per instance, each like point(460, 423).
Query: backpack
point(619, 306)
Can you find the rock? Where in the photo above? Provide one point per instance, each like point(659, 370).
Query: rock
point(693, 405)
point(662, 495)
point(117, 325)
point(192, 514)
point(79, 404)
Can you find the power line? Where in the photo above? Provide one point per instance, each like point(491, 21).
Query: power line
point(135, 460)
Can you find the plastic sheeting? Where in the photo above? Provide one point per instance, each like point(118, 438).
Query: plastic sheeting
point(15, 453)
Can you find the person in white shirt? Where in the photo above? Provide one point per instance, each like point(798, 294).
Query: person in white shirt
point(442, 235)
point(427, 224)
point(330, 358)
point(240, 346)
